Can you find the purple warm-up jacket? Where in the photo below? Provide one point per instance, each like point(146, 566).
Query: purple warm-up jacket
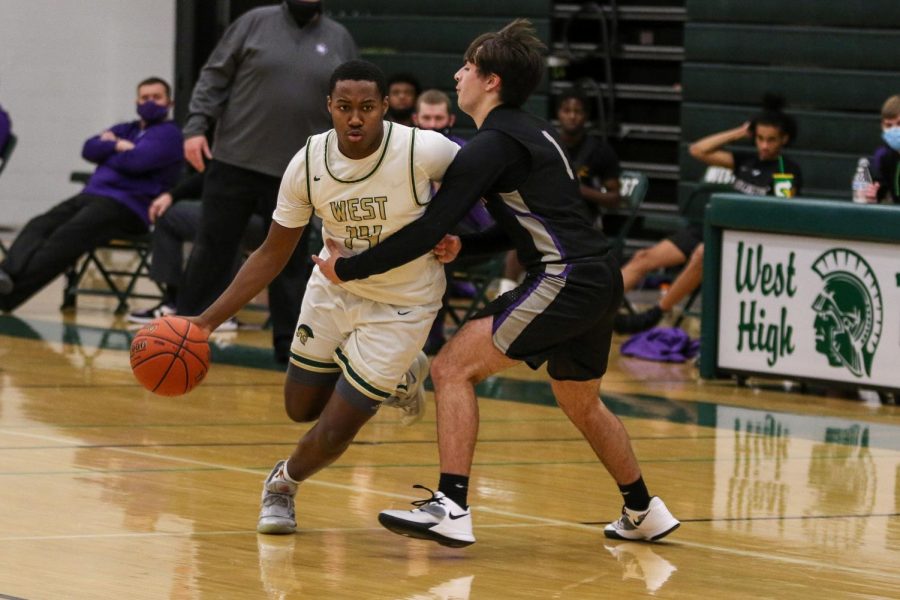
point(5, 128)
point(137, 176)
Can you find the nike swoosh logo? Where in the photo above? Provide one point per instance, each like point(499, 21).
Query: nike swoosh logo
point(455, 517)
point(638, 521)
point(315, 178)
point(401, 313)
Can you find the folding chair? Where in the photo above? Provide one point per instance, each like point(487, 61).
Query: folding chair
point(6, 152)
point(694, 209)
point(632, 188)
point(117, 281)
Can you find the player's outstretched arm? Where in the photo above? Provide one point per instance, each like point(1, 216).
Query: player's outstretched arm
point(445, 251)
point(472, 173)
point(257, 272)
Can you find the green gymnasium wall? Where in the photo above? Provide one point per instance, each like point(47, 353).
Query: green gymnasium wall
point(835, 61)
point(428, 39)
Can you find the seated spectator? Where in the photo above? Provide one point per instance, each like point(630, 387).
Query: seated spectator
point(176, 218)
point(136, 161)
point(771, 130)
point(594, 163)
point(886, 161)
point(403, 89)
point(5, 128)
point(433, 112)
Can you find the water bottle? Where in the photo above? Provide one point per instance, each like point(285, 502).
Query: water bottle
point(861, 181)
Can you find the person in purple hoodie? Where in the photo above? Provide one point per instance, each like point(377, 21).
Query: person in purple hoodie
point(5, 128)
point(136, 161)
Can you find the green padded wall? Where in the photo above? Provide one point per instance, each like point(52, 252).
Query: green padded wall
point(428, 39)
point(501, 8)
point(819, 13)
point(834, 61)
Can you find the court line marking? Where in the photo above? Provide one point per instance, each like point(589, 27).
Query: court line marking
point(263, 469)
point(164, 534)
point(813, 564)
point(372, 443)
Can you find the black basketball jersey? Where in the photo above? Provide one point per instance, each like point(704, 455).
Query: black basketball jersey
point(516, 163)
point(544, 215)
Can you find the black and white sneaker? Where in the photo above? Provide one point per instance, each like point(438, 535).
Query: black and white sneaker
point(150, 314)
point(652, 524)
point(438, 518)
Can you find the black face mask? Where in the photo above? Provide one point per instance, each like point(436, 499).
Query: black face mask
point(401, 115)
point(303, 12)
point(446, 131)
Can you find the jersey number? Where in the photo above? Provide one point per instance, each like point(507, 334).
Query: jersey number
point(371, 234)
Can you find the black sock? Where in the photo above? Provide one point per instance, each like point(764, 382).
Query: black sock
point(636, 495)
point(455, 487)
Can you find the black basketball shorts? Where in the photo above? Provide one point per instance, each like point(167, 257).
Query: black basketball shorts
point(562, 317)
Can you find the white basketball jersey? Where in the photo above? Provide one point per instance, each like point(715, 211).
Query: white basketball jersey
point(362, 202)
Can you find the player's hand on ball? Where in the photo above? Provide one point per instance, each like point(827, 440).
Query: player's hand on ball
point(448, 248)
point(326, 266)
point(205, 329)
point(170, 355)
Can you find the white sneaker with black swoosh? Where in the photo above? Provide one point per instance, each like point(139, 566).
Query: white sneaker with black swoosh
point(652, 524)
point(438, 518)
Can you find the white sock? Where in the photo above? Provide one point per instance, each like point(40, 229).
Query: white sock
point(286, 475)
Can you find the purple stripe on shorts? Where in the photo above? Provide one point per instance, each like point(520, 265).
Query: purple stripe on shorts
point(509, 309)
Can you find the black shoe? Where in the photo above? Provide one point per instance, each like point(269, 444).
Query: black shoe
point(6, 283)
point(637, 322)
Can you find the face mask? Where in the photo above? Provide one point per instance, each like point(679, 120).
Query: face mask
point(404, 114)
point(892, 137)
point(303, 12)
point(151, 112)
point(446, 131)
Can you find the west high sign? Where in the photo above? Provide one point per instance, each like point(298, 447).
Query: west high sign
point(809, 307)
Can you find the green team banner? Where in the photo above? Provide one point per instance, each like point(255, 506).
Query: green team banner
point(792, 294)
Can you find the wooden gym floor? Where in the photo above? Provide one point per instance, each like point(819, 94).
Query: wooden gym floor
point(109, 492)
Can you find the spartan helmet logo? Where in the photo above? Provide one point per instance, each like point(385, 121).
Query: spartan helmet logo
point(304, 333)
point(848, 311)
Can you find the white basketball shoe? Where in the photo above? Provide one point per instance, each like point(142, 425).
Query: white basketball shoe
point(438, 518)
point(652, 524)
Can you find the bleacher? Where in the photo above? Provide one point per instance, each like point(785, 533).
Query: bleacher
point(664, 73)
point(834, 62)
point(428, 40)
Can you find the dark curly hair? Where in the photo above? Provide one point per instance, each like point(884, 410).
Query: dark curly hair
point(359, 70)
point(773, 114)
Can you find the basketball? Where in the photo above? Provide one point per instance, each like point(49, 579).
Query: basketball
point(169, 356)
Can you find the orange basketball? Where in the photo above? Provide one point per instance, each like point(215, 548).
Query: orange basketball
point(169, 356)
